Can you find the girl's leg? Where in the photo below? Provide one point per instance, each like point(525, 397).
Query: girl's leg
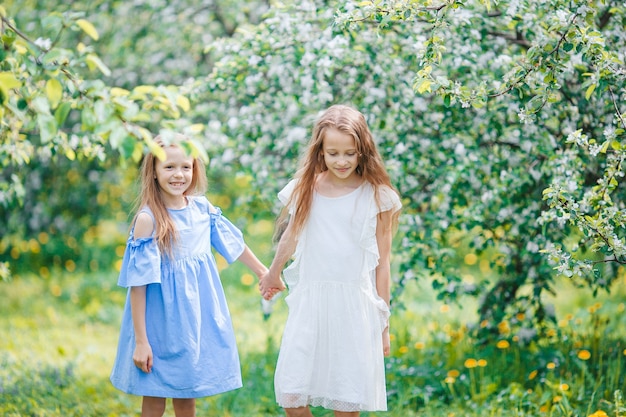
point(298, 412)
point(346, 414)
point(152, 407)
point(184, 407)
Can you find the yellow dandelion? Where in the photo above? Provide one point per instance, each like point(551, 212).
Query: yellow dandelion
point(564, 387)
point(584, 354)
point(482, 363)
point(503, 327)
point(484, 266)
point(392, 337)
point(419, 345)
point(520, 316)
point(503, 344)
point(599, 413)
point(569, 317)
point(624, 352)
point(44, 272)
point(444, 308)
point(484, 324)
point(551, 365)
point(544, 408)
point(450, 380)
point(70, 265)
point(516, 338)
point(56, 290)
point(453, 373)
point(551, 333)
point(471, 363)
point(557, 398)
point(43, 238)
point(470, 259)
point(403, 349)
point(563, 323)
point(532, 375)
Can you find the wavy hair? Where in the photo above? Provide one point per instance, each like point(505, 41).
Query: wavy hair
point(151, 196)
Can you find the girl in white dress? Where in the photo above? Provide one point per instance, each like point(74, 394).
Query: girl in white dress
point(340, 212)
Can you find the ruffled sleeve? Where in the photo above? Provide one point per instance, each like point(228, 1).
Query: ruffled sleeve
point(286, 192)
point(389, 199)
point(141, 264)
point(226, 238)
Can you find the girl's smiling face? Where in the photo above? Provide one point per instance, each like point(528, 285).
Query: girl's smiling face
point(174, 175)
point(340, 154)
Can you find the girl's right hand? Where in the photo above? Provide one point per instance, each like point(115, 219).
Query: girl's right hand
point(143, 357)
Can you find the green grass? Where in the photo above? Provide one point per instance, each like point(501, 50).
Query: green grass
point(59, 337)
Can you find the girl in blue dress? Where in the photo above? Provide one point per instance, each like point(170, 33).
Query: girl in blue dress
point(176, 339)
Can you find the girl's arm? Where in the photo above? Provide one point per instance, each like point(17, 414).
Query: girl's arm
point(285, 249)
point(143, 351)
point(249, 259)
point(384, 235)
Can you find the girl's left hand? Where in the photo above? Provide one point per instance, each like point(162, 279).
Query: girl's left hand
point(386, 342)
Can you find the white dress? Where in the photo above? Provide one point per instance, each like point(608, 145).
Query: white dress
point(331, 353)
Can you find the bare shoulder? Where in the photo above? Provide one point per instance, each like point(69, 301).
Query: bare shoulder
point(144, 225)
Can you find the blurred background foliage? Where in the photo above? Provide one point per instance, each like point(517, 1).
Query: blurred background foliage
point(501, 124)
point(67, 211)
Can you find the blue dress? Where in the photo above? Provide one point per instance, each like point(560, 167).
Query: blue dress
point(187, 319)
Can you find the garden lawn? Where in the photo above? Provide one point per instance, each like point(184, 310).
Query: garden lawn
point(59, 337)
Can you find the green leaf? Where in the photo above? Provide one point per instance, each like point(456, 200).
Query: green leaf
point(196, 150)
point(605, 147)
point(183, 103)
point(93, 62)
point(8, 81)
point(61, 113)
point(54, 91)
point(88, 28)
point(590, 90)
point(423, 86)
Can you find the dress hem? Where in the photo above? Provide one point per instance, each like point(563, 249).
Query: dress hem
point(176, 394)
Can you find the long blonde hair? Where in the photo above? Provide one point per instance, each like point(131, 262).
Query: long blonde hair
point(150, 196)
point(370, 165)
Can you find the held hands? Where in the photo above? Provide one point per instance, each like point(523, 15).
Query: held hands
point(270, 284)
point(143, 357)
